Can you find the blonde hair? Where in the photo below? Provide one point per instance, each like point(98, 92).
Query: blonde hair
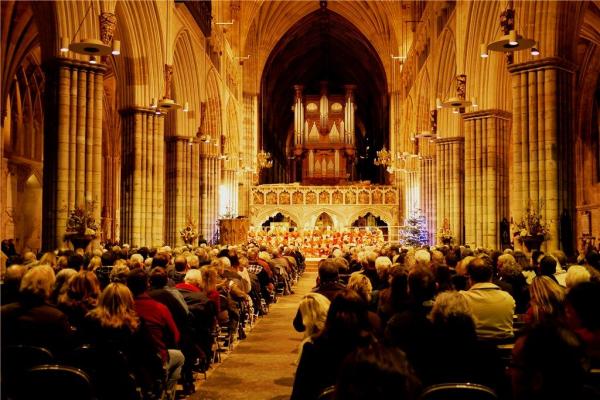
point(577, 274)
point(209, 278)
point(313, 308)
point(38, 282)
point(95, 263)
point(116, 308)
point(361, 285)
point(547, 298)
point(83, 288)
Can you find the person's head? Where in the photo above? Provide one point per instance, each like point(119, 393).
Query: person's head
point(313, 308)
point(422, 257)
point(95, 262)
point(328, 271)
point(83, 288)
point(575, 275)
point(181, 264)
point(361, 285)
point(347, 319)
point(582, 306)
point(37, 283)
point(453, 315)
point(193, 277)
point(253, 253)
point(160, 260)
point(13, 276)
point(382, 265)
point(377, 372)
point(119, 272)
point(75, 261)
point(421, 284)
point(29, 258)
point(546, 299)
point(209, 277)
point(193, 261)
point(137, 281)
point(548, 265)
point(504, 259)
point(479, 270)
point(158, 278)
point(115, 308)
point(547, 363)
point(49, 258)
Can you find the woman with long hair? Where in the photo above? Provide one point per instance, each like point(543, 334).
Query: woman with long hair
point(313, 308)
point(117, 333)
point(346, 328)
point(546, 301)
point(80, 297)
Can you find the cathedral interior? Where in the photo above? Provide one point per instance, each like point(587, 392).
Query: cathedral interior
point(152, 114)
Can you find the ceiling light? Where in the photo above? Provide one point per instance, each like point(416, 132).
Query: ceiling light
point(455, 110)
point(153, 103)
point(64, 45)
point(534, 50)
point(116, 47)
point(438, 103)
point(483, 50)
point(168, 104)
point(93, 60)
point(512, 38)
point(90, 47)
point(455, 102)
point(474, 102)
point(186, 107)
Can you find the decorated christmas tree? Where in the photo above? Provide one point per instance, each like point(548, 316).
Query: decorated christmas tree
point(414, 231)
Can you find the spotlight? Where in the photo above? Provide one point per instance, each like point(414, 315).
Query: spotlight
point(64, 45)
point(512, 38)
point(534, 50)
point(455, 110)
point(186, 107)
point(93, 60)
point(438, 103)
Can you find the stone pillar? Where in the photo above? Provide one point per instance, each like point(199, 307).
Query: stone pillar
point(142, 177)
point(182, 200)
point(450, 183)
point(72, 145)
point(428, 192)
point(487, 135)
point(349, 115)
point(204, 198)
point(542, 173)
point(298, 116)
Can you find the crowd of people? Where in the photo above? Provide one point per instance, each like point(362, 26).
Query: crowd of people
point(157, 314)
point(385, 323)
point(382, 321)
point(316, 242)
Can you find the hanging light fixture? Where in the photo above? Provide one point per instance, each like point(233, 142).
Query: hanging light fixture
point(89, 46)
point(263, 157)
point(511, 40)
point(93, 60)
point(534, 50)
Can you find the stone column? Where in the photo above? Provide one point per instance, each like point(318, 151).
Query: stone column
point(182, 191)
point(542, 173)
point(72, 145)
point(142, 176)
point(204, 198)
point(487, 138)
point(450, 184)
point(428, 192)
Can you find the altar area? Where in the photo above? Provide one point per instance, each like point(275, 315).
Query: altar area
point(324, 208)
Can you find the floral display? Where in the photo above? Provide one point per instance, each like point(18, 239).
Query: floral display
point(189, 234)
point(81, 222)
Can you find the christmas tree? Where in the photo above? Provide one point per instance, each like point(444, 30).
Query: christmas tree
point(414, 231)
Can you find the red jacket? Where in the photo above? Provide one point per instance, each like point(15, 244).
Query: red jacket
point(159, 321)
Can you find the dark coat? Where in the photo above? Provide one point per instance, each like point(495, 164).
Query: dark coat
point(36, 323)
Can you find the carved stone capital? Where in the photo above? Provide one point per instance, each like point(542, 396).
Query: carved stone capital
point(108, 23)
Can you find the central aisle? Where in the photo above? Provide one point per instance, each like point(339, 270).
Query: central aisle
point(262, 366)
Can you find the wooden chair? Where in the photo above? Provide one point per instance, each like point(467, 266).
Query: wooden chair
point(17, 360)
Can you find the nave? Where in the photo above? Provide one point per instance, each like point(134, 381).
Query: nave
point(261, 366)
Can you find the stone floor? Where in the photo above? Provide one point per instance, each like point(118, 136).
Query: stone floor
point(261, 366)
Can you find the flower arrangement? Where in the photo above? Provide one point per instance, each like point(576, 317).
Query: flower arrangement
point(445, 233)
point(189, 234)
point(532, 223)
point(81, 222)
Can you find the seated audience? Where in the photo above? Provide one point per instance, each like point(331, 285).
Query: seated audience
point(546, 304)
point(492, 307)
point(159, 321)
point(575, 275)
point(80, 297)
point(547, 363)
point(377, 373)
point(581, 308)
point(362, 285)
point(346, 329)
point(11, 283)
point(32, 320)
point(459, 356)
point(313, 308)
